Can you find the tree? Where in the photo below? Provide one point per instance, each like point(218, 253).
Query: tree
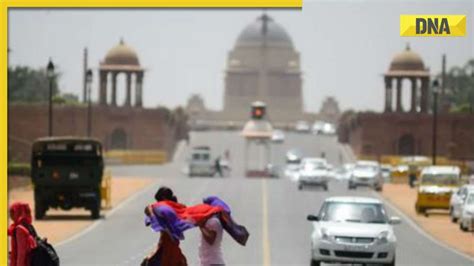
point(29, 85)
point(459, 84)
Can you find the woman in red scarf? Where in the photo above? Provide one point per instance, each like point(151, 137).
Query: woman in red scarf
point(22, 242)
point(168, 252)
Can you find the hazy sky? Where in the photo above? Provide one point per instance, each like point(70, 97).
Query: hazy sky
point(345, 46)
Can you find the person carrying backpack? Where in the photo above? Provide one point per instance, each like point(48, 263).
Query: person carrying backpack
point(22, 242)
point(27, 248)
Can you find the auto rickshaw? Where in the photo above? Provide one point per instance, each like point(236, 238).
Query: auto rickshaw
point(435, 187)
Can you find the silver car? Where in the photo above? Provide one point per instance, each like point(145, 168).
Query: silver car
point(366, 173)
point(457, 200)
point(353, 230)
point(313, 172)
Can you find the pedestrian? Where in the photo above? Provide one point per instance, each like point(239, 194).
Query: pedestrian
point(218, 167)
point(210, 253)
point(22, 242)
point(167, 252)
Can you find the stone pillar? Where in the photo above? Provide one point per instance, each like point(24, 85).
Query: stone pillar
point(388, 94)
point(399, 95)
point(128, 97)
point(424, 94)
point(413, 95)
point(138, 89)
point(114, 89)
point(103, 87)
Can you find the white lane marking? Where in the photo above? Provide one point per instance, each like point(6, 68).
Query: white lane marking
point(108, 214)
point(420, 230)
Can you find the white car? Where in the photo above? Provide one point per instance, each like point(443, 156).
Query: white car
point(466, 221)
point(386, 170)
point(366, 173)
point(313, 172)
point(353, 230)
point(278, 136)
point(457, 200)
point(302, 126)
point(293, 161)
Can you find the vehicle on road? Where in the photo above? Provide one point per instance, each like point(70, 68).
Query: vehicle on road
point(302, 127)
point(67, 173)
point(437, 183)
point(278, 136)
point(313, 172)
point(293, 161)
point(366, 173)
point(318, 127)
point(457, 200)
point(342, 173)
point(353, 230)
point(466, 221)
point(200, 162)
point(386, 170)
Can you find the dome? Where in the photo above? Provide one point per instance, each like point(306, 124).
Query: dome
point(121, 54)
point(407, 60)
point(264, 29)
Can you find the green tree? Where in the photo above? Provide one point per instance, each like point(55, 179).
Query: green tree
point(460, 87)
point(29, 85)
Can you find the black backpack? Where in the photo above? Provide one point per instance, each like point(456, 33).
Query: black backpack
point(44, 254)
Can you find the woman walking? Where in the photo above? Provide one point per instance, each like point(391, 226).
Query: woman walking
point(22, 242)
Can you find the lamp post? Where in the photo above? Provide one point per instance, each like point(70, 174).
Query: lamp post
point(89, 104)
point(435, 88)
point(50, 75)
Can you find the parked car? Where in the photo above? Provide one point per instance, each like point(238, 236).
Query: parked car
point(278, 136)
point(353, 230)
point(457, 200)
point(436, 186)
point(313, 172)
point(466, 222)
point(366, 173)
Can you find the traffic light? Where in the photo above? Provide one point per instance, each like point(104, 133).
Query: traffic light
point(258, 111)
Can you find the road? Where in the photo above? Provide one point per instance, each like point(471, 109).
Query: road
point(273, 210)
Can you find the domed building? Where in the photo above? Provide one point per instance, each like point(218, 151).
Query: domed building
point(263, 66)
point(407, 65)
point(120, 59)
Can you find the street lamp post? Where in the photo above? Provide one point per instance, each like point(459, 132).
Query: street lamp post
point(50, 75)
point(435, 88)
point(89, 103)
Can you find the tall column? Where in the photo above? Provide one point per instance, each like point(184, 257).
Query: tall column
point(424, 94)
point(138, 89)
point(413, 95)
point(399, 95)
point(128, 97)
point(103, 87)
point(388, 94)
point(114, 89)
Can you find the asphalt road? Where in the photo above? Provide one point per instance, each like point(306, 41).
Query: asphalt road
point(273, 210)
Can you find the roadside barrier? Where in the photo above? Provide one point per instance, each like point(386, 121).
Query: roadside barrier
point(106, 190)
point(136, 157)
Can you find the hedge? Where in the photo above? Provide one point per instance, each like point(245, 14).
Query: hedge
point(20, 169)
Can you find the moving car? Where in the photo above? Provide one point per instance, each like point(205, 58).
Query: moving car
point(278, 136)
point(386, 170)
point(66, 173)
point(353, 230)
point(342, 173)
point(293, 161)
point(466, 222)
point(457, 200)
point(302, 127)
point(200, 163)
point(436, 186)
point(313, 172)
point(366, 173)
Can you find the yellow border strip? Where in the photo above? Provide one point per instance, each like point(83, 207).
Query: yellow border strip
point(157, 3)
point(4, 5)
